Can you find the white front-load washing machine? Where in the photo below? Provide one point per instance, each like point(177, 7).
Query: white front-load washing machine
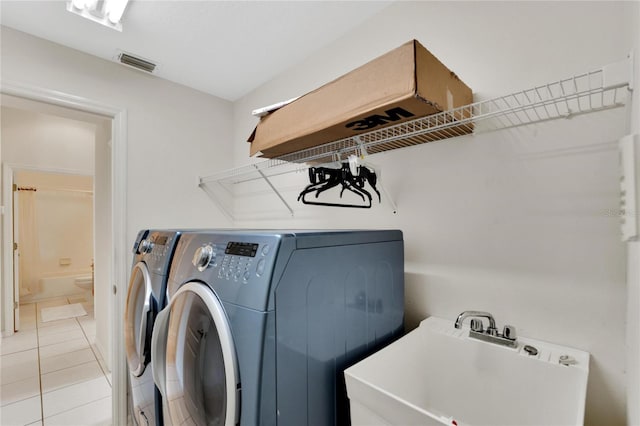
point(153, 251)
point(260, 325)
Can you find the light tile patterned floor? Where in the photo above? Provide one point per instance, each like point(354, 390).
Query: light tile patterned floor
point(51, 373)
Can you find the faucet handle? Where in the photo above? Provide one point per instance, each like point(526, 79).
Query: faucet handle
point(509, 332)
point(476, 325)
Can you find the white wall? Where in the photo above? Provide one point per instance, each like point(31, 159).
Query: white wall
point(46, 141)
point(514, 222)
point(633, 259)
point(174, 133)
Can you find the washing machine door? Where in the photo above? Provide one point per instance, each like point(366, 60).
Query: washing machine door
point(202, 385)
point(137, 318)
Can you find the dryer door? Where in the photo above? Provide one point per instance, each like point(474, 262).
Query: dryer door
point(202, 384)
point(138, 319)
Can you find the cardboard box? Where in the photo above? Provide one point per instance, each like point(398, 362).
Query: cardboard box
point(403, 84)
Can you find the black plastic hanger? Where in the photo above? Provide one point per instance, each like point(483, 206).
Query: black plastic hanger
point(323, 178)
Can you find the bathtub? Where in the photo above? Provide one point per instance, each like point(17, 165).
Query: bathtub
point(56, 285)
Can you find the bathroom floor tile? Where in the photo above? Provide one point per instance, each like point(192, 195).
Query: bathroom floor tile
point(63, 347)
point(90, 312)
point(86, 304)
point(93, 413)
point(56, 323)
point(58, 327)
point(20, 341)
point(27, 309)
point(21, 413)
point(104, 367)
point(74, 396)
point(28, 319)
point(77, 299)
point(75, 380)
point(61, 336)
point(92, 339)
point(70, 376)
point(19, 366)
point(27, 324)
point(54, 301)
point(66, 360)
point(18, 391)
point(87, 323)
point(97, 351)
point(89, 330)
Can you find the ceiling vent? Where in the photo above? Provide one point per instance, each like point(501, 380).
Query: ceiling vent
point(136, 62)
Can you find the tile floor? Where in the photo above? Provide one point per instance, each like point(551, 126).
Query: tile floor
point(52, 373)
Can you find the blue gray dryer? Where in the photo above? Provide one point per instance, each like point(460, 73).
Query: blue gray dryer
point(260, 325)
point(152, 254)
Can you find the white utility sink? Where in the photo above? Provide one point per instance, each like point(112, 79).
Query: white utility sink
point(436, 374)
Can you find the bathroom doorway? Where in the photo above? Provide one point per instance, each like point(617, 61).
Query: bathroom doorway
point(61, 154)
point(53, 231)
point(111, 265)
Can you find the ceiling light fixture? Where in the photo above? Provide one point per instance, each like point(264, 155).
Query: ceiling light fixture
point(105, 12)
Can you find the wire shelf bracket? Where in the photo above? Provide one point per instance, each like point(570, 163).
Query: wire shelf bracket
point(605, 88)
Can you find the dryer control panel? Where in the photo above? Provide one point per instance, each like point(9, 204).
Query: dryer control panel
point(237, 265)
point(236, 261)
point(241, 249)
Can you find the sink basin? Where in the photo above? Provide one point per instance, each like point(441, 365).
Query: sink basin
point(436, 374)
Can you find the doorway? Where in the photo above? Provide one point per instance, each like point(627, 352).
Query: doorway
point(53, 229)
point(60, 375)
point(112, 226)
point(60, 143)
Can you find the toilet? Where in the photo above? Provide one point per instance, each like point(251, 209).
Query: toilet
point(85, 282)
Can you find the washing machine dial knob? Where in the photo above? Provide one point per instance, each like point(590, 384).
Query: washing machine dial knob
point(203, 257)
point(146, 246)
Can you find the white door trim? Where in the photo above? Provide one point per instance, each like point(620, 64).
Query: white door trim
point(118, 268)
point(7, 252)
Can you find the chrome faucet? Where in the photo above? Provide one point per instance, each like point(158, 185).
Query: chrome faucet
point(476, 314)
point(507, 338)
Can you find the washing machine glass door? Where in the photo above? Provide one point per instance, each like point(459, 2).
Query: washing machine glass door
point(138, 314)
point(202, 385)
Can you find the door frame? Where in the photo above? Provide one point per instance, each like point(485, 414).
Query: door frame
point(118, 268)
point(15, 231)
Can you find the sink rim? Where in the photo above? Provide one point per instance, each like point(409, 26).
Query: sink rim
point(548, 353)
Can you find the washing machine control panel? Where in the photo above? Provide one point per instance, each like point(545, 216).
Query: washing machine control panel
point(156, 249)
point(145, 246)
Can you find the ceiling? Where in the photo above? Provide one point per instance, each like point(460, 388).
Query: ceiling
point(224, 48)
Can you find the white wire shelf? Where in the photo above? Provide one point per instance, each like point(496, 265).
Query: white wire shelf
point(605, 88)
